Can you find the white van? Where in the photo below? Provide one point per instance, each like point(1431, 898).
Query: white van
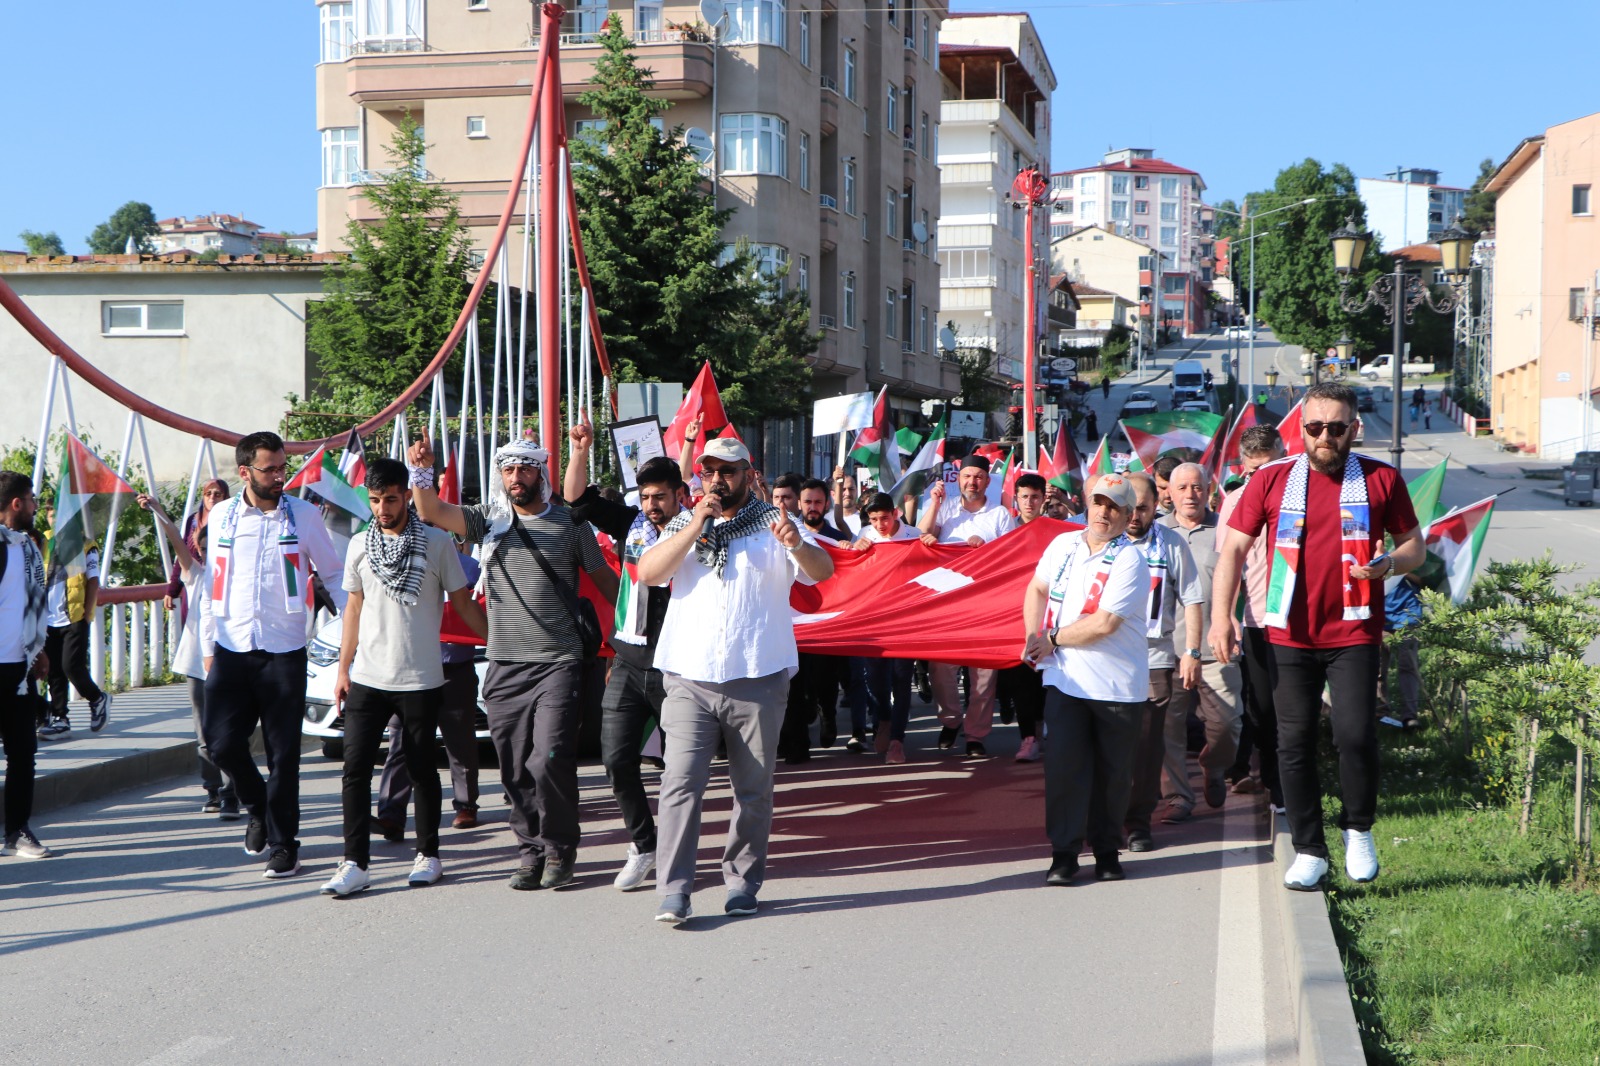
point(1188, 381)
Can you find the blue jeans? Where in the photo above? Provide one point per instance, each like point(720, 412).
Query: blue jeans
point(888, 685)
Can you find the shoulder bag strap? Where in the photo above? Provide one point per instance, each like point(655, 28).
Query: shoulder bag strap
point(564, 590)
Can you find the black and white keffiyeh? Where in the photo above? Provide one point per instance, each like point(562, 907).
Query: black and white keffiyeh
point(33, 606)
point(711, 546)
point(399, 562)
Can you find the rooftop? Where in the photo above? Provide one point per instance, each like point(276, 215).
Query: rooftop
point(181, 261)
point(1137, 166)
point(1419, 253)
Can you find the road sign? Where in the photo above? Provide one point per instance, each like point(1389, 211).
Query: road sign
point(1064, 363)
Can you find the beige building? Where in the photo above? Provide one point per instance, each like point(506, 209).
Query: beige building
point(220, 342)
point(1547, 253)
point(817, 122)
point(1098, 258)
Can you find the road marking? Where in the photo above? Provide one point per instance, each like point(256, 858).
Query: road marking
point(196, 1047)
point(1238, 1020)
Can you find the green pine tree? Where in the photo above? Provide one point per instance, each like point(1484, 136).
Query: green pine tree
point(671, 292)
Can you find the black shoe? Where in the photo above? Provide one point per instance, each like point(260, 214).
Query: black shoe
point(230, 809)
point(212, 804)
point(1216, 790)
point(255, 835)
point(828, 732)
point(976, 750)
point(1108, 869)
point(394, 832)
point(99, 710)
point(1141, 842)
point(795, 758)
point(947, 737)
point(856, 745)
point(557, 872)
point(527, 878)
point(285, 862)
point(1063, 867)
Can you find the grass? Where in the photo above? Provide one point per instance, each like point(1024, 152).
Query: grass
point(1476, 944)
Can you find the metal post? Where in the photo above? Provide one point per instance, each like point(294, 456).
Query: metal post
point(1396, 447)
point(1030, 345)
point(552, 139)
point(136, 648)
point(1250, 376)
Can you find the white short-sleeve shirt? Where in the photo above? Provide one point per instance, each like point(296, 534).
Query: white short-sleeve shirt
point(1114, 668)
point(956, 523)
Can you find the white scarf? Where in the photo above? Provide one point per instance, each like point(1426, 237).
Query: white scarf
point(296, 587)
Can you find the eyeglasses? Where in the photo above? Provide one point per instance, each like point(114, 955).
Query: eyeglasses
point(272, 471)
point(1335, 430)
point(722, 473)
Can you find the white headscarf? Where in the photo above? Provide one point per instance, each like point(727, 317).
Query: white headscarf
point(512, 453)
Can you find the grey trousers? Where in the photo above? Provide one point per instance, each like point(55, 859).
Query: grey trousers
point(215, 781)
point(534, 712)
point(748, 714)
point(1221, 710)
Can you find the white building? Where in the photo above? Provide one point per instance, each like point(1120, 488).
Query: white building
point(994, 123)
point(1409, 206)
point(224, 234)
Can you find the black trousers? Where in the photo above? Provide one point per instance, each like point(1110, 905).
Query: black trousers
point(1088, 771)
point(1023, 687)
point(68, 650)
point(534, 714)
point(17, 727)
point(366, 717)
point(631, 708)
point(458, 713)
point(246, 688)
point(1352, 676)
point(1260, 678)
point(813, 689)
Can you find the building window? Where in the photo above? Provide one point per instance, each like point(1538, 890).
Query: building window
point(849, 187)
point(1142, 232)
point(1141, 207)
point(891, 213)
point(848, 302)
point(755, 144)
point(647, 25)
point(338, 31)
point(1086, 184)
point(163, 319)
point(1172, 284)
point(891, 311)
point(1169, 212)
point(926, 229)
point(1577, 309)
point(850, 74)
point(891, 12)
point(772, 260)
point(891, 109)
point(1140, 181)
point(757, 22)
point(1169, 186)
point(922, 136)
point(802, 273)
point(1063, 207)
point(805, 39)
point(390, 25)
point(1063, 182)
point(805, 160)
point(927, 37)
point(1088, 209)
point(922, 328)
point(1169, 236)
point(592, 128)
point(476, 126)
point(477, 5)
point(1580, 199)
point(341, 157)
point(1119, 185)
point(1119, 210)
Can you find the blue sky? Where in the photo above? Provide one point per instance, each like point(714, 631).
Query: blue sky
point(196, 107)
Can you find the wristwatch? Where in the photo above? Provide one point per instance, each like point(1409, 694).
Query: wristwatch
point(1051, 633)
point(1193, 653)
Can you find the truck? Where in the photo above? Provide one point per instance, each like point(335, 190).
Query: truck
point(1188, 381)
point(1383, 367)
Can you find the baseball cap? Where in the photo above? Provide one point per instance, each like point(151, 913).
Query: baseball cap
point(1117, 489)
point(728, 449)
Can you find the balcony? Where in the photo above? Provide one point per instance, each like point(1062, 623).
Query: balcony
point(828, 223)
point(827, 322)
point(829, 85)
point(383, 44)
point(828, 114)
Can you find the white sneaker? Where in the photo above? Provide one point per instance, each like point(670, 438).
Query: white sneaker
point(1028, 750)
point(1360, 857)
point(1306, 873)
point(635, 870)
point(25, 845)
point(425, 871)
point(347, 881)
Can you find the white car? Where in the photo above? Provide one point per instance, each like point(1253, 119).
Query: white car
point(322, 670)
point(1139, 402)
point(1196, 405)
point(1236, 331)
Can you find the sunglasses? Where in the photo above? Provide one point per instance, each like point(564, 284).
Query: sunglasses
point(1335, 430)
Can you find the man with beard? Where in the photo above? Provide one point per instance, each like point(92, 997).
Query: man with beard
point(397, 574)
point(1083, 618)
point(968, 519)
point(817, 684)
point(635, 688)
point(1021, 687)
point(727, 650)
point(23, 631)
point(1325, 513)
point(254, 620)
point(880, 686)
point(847, 514)
point(531, 548)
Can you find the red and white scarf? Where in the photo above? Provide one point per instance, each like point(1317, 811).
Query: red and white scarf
point(1355, 533)
point(296, 572)
point(1055, 609)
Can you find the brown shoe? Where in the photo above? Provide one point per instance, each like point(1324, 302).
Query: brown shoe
point(465, 820)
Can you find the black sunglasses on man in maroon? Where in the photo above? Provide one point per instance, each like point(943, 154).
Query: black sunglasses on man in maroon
point(1335, 430)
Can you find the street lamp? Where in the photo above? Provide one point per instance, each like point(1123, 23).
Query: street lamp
point(1250, 375)
point(1345, 347)
point(1399, 294)
point(1272, 378)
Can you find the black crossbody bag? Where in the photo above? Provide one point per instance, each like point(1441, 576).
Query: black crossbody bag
point(582, 611)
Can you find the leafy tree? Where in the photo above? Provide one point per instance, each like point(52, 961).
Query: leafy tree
point(1227, 224)
point(670, 290)
point(42, 243)
point(132, 219)
point(283, 248)
point(386, 311)
point(1479, 215)
point(981, 390)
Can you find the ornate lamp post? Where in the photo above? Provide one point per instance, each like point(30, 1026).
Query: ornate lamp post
point(1399, 294)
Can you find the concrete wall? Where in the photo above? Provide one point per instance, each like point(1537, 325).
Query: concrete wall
point(1571, 257)
point(1518, 310)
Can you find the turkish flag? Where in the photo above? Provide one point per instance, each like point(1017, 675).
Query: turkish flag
point(452, 630)
point(1289, 429)
point(702, 399)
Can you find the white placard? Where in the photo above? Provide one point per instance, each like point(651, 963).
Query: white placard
point(840, 414)
point(966, 425)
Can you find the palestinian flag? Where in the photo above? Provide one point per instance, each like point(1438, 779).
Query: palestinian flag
point(926, 465)
point(908, 439)
point(876, 447)
point(1425, 488)
point(87, 493)
point(1000, 477)
point(1100, 462)
point(1223, 459)
point(1289, 429)
point(1456, 540)
point(337, 479)
point(1153, 435)
point(1064, 468)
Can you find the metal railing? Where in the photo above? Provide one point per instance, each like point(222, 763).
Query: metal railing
point(829, 201)
point(405, 42)
point(827, 322)
point(830, 85)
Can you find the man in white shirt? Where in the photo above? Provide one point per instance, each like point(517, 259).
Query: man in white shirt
point(726, 652)
point(968, 519)
point(254, 620)
point(882, 687)
point(1083, 619)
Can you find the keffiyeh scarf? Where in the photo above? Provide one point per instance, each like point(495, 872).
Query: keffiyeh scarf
point(512, 453)
point(399, 562)
point(296, 589)
point(711, 546)
point(1355, 532)
point(33, 607)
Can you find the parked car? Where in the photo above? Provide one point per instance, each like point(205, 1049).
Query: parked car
point(1364, 399)
point(1139, 402)
point(1196, 405)
point(1236, 331)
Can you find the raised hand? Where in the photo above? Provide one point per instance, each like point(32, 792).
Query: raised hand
point(787, 534)
point(420, 453)
point(581, 435)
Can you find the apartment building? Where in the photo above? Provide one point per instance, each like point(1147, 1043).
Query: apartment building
point(1546, 264)
point(1133, 194)
point(817, 122)
point(1101, 262)
point(224, 234)
point(1408, 206)
point(995, 124)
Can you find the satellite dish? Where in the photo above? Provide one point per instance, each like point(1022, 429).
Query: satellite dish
point(712, 13)
point(699, 143)
point(920, 232)
point(947, 339)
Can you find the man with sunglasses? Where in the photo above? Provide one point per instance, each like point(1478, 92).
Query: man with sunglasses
point(255, 616)
point(1325, 513)
point(882, 686)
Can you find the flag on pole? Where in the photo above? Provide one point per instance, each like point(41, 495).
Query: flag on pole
point(1064, 468)
point(1100, 462)
point(926, 465)
point(1289, 429)
point(1456, 539)
point(702, 399)
point(338, 480)
point(1226, 460)
point(87, 492)
point(908, 439)
point(450, 482)
point(1153, 435)
point(876, 447)
point(999, 483)
point(1425, 489)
